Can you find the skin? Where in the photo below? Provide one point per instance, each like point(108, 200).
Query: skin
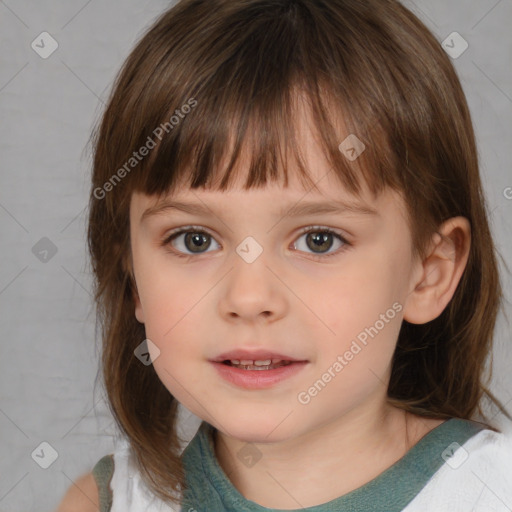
point(288, 301)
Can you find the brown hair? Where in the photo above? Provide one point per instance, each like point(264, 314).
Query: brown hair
point(241, 65)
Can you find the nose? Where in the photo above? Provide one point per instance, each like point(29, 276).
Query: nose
point(251, 292)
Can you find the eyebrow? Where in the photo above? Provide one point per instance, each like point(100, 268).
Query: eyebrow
point(294, 210)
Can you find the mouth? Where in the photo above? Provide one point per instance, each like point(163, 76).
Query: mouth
point(256, 360)
point(257, 369)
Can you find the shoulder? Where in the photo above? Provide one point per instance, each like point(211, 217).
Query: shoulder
point(82, 496)
point(493, 448)
point(486, 452)
point(476, 474)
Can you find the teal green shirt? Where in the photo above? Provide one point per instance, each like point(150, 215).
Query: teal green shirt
point(210, 490)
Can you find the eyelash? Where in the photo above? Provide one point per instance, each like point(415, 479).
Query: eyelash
point(166, 242)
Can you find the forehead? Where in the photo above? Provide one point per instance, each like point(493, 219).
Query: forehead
point(325, 196)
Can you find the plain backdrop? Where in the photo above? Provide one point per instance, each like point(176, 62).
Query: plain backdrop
point(48, 106)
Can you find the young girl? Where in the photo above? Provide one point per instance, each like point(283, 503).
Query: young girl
point(289, 239)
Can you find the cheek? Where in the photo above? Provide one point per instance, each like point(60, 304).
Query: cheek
point(174, 325)
point(173, 304)
point(354, 365)
point(356, 298)
point(168, 296)
point(363, 312)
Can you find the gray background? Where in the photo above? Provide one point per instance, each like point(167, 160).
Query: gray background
point(47, 110)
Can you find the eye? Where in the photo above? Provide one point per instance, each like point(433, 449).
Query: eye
point(320, 240)
point(189, 240)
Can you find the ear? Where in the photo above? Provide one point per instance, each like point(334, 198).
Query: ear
point(127, 263)
point(437, 276)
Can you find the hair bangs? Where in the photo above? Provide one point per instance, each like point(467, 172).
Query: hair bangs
point(252, 112)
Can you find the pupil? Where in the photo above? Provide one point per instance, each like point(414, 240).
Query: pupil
point(197, 240)
point(320, 239)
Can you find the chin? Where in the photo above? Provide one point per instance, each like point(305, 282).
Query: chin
point(256, 429)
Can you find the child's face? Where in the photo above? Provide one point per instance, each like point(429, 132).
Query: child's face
point(290, 300)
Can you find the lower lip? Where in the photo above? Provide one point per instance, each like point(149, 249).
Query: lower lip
point(258, 379)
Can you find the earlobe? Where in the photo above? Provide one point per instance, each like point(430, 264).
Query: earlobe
point(139, 313)
point(440, 272)
point(128, 269)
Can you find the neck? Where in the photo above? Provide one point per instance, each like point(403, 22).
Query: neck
point(336, 456)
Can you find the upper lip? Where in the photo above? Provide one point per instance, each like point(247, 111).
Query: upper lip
point(253, 355)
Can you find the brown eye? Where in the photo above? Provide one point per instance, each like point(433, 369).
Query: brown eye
point(190, 242)
point(319, 241)
point(196, 242)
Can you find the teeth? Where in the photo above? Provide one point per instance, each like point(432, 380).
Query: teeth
point(266, 362)
point(260, 362)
